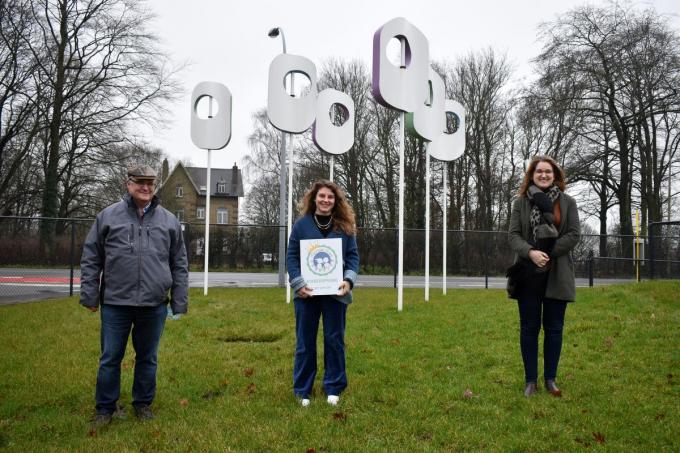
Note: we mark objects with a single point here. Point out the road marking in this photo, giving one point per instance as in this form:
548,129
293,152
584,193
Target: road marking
21,279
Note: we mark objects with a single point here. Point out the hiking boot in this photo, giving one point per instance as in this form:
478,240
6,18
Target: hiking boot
120,413
100,420
144,412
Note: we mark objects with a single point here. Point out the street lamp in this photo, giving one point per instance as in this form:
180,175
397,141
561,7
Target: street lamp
273,33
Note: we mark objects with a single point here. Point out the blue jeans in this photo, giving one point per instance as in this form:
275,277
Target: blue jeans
147,325
535,309
307,314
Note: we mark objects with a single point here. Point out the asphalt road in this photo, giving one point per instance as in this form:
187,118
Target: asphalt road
26,285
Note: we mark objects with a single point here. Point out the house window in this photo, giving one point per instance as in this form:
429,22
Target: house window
222,216
180,215
200,213
179,191
221,187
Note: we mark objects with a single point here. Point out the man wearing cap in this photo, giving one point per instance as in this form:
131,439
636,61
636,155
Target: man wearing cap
132,257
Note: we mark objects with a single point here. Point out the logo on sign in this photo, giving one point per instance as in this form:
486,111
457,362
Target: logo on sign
321,260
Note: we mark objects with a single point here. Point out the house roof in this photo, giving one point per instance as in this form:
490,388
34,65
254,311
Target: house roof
230,176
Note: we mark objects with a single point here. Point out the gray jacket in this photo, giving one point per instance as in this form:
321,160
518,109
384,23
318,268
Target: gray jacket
131,261
561,278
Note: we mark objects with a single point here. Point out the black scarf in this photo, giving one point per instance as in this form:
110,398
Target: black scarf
535,217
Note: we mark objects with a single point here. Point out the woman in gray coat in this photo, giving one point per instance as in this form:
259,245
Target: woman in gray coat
544,228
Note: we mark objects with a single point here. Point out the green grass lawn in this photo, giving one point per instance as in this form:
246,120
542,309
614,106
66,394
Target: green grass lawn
440,376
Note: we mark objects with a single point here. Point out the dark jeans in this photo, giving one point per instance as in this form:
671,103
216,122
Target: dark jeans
147,325
535,309
307,314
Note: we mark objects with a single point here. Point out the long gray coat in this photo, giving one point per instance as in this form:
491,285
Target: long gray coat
561,279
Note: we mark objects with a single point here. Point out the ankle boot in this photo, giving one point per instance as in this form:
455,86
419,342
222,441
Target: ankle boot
552,388
530,389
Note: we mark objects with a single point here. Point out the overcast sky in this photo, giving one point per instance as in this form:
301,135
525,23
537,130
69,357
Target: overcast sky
226,42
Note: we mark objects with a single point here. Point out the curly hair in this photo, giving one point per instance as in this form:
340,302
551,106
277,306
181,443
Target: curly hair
560,178
343,214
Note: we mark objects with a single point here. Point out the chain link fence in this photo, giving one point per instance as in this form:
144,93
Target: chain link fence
29,268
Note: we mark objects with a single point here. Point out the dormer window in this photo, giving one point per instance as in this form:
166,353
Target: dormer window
221,187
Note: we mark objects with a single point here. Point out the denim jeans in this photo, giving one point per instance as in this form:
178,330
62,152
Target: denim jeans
147,325
535,309
307,314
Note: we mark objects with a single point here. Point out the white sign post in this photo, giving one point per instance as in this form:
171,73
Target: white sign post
213,132
427,123
449,145
290,114
402,88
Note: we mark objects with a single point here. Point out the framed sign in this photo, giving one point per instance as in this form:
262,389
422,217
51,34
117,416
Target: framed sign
321,264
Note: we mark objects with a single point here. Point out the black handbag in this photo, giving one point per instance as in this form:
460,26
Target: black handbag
517,275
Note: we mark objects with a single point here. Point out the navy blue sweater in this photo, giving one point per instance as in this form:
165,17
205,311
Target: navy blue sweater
305,228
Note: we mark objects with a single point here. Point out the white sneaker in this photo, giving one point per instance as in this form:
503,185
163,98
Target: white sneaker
333,400
305,402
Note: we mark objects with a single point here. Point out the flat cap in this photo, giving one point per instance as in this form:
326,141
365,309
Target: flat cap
141,172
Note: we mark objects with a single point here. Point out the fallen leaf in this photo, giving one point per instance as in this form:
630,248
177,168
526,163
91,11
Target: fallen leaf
582,442
599,437
92,432
609,341
339,416
311,450
248,372
251,388
659,417
395,341
184,402
468,393
224,382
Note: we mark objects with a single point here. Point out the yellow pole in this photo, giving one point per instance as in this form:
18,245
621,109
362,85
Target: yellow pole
637,245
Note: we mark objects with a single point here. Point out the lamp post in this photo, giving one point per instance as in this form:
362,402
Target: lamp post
273,33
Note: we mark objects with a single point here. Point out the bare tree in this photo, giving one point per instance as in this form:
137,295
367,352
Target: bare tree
19,122
101,71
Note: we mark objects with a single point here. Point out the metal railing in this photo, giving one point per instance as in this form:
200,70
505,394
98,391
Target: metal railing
25,260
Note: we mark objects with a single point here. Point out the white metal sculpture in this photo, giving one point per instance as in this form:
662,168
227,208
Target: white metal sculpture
330,137
285,112
403,88
213,132
289,113
427,122
448,146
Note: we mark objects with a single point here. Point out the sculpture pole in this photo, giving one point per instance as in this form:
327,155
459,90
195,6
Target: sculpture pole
400,266
206,238
444,224
290,206
211,133
427,223
332,164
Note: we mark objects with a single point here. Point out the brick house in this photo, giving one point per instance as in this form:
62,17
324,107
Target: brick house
183,193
